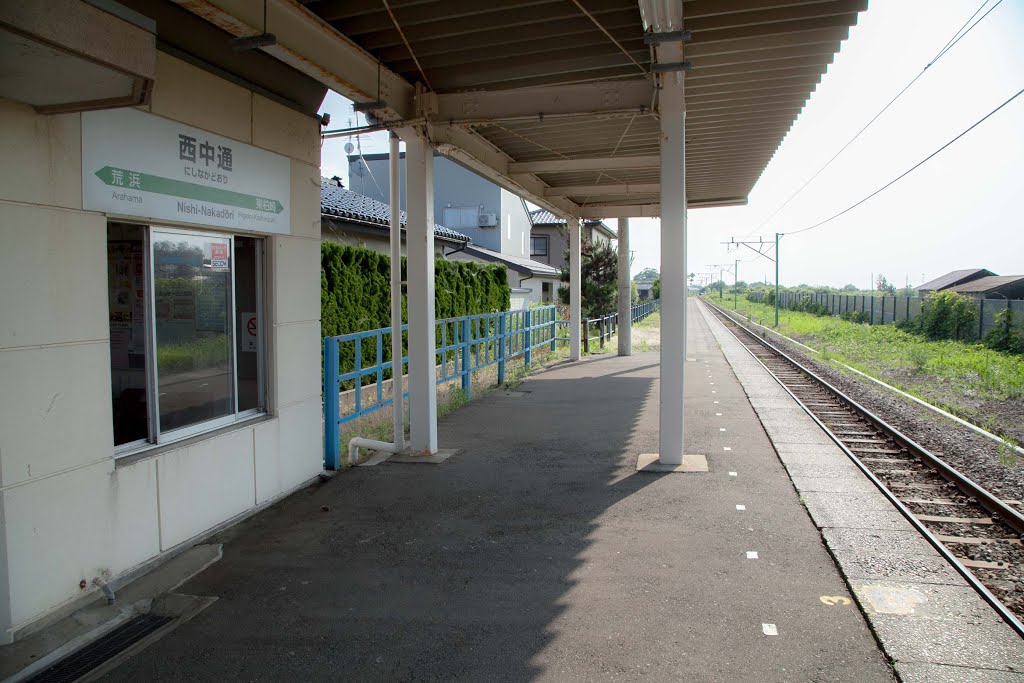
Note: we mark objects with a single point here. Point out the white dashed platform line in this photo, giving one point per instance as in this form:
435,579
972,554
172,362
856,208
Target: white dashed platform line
721,429
726,448
733,474
751,554
718,415
769,629
716,401
741,508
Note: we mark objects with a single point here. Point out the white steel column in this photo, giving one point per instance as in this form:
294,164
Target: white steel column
625,292
673,257
398,413
575,288
419,183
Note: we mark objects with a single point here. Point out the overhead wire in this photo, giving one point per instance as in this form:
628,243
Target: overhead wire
600,26
407,45
946,48
911,169
956,38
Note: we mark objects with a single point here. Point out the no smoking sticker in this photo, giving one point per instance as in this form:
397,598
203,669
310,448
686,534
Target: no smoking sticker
248,327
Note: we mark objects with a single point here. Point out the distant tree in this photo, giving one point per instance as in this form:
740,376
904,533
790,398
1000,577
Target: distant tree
656,289
634,294
883,285
851,288
646,275
599,274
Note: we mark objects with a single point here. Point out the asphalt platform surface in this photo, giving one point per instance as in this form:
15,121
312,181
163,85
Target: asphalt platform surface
539,553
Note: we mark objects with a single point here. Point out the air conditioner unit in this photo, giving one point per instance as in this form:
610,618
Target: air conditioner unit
487,220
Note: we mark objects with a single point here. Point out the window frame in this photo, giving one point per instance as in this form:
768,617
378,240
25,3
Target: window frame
155,436
547,246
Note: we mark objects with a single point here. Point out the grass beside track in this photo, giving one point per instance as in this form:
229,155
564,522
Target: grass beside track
970,380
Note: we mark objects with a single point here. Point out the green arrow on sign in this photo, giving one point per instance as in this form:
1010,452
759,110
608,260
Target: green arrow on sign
132,180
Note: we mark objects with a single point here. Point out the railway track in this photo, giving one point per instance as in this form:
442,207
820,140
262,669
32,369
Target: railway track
975,530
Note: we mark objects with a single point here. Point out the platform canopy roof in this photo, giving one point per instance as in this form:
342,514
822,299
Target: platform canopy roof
557,99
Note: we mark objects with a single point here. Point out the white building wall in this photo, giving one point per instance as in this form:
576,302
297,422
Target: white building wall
516,225
69,512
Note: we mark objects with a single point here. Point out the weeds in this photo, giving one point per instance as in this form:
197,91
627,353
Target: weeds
454,399
959,369
1008,453
515,376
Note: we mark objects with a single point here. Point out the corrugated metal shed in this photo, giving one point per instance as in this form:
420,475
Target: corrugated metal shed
956,277
995,283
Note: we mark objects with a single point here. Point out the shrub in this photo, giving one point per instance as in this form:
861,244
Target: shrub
808,305
859,317
355,295
1003,337
946,315
355,289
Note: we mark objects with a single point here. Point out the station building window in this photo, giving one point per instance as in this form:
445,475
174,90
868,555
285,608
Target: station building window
186,348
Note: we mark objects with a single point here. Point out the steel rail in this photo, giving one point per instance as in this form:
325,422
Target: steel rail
1003,512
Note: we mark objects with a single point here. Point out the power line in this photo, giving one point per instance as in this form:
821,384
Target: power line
909,170
949,45
956,39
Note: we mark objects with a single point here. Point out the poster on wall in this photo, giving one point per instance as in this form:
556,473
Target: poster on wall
142,165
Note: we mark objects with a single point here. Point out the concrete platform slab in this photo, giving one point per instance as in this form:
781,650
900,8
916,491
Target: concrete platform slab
893,566
915,672
692,463
927,618
409,458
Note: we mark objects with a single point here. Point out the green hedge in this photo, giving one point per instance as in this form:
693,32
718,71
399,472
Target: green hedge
355,296
355,289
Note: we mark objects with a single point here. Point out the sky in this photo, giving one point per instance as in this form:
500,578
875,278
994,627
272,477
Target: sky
960,210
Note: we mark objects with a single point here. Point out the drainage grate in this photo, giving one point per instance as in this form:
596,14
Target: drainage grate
76,665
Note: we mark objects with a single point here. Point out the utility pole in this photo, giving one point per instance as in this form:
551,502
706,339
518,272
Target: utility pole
722,268
777,236
735,283
760,245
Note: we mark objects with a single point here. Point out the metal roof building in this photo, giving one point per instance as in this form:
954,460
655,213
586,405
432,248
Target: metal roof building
993,287
953,278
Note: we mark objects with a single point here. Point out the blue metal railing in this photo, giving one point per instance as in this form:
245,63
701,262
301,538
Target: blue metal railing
607,325
361,361
463,346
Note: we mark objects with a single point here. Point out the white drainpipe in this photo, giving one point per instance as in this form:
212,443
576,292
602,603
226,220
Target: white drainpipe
359,442
398,444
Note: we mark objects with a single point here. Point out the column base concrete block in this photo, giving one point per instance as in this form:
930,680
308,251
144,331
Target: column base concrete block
408,457
648,462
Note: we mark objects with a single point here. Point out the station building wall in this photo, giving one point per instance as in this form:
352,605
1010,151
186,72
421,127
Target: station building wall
70,511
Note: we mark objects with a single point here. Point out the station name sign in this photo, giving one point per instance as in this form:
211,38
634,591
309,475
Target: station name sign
138,164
